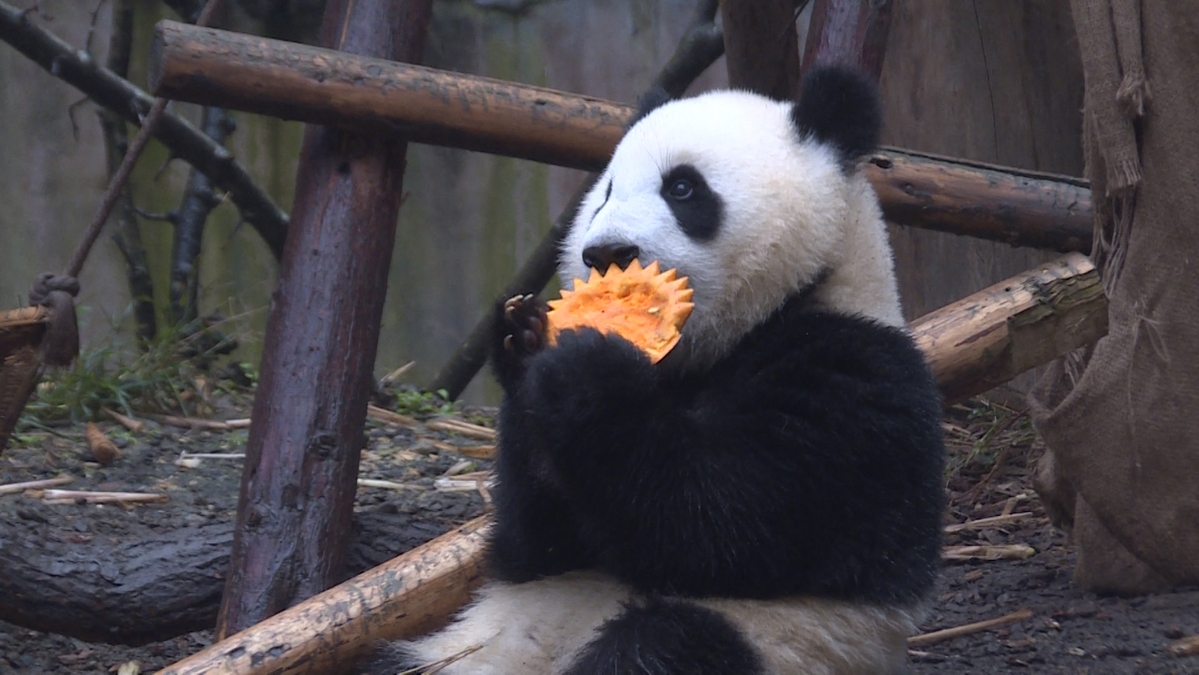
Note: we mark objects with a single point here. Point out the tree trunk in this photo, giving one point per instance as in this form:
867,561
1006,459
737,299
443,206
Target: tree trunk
318,355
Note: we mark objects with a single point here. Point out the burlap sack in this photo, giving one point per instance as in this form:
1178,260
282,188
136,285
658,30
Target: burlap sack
1121,420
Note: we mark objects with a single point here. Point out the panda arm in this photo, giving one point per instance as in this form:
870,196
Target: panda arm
804,463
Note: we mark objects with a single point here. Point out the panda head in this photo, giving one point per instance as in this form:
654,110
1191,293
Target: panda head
748,197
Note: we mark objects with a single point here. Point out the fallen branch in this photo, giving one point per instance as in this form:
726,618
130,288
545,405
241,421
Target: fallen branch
12,488
75,67
989,553
968,629
404,597
89,497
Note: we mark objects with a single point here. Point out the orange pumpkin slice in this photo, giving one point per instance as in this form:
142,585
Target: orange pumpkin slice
640,304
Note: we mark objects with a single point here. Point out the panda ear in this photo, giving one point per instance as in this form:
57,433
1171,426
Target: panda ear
839,105
652,99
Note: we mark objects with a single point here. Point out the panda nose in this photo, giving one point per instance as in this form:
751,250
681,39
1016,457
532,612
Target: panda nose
602,257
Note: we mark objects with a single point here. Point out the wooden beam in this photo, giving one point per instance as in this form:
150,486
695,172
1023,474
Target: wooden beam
245,72
378,96
986,339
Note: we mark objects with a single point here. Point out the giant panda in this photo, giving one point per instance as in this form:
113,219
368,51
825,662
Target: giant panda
767,498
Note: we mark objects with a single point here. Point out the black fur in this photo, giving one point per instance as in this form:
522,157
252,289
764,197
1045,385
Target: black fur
839,106
667,637
699,211
808,461
654,98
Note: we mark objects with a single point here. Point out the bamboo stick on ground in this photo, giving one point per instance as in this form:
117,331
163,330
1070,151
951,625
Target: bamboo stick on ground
11,488
968,629
992,552
90,497
982,523
406,596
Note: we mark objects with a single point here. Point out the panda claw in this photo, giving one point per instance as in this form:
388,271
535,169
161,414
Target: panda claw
508,343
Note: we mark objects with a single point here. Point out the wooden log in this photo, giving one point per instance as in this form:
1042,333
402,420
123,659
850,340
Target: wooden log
53,578
306,434
1014,206
378,96
404,597
986,339
244,72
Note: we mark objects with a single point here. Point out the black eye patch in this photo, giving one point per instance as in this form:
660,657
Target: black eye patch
698,211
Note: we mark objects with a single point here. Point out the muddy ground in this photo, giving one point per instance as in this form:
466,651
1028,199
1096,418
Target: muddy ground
992,448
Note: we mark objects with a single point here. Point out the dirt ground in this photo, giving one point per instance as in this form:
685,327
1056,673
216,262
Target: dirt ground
991,450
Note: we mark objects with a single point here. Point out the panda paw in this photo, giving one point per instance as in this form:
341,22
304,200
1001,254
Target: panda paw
524,325
520,334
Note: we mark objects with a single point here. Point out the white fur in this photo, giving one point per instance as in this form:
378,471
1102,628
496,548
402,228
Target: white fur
789,213
535,628
539,627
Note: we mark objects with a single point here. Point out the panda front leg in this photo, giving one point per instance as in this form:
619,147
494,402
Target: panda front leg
658,636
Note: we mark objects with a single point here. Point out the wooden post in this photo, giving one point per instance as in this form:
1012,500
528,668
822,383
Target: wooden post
852,32
298,488
761,47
